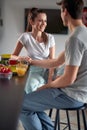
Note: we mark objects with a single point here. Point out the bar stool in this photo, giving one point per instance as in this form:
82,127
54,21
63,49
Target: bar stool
77,109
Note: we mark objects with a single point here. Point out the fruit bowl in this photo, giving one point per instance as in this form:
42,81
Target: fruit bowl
6,75
5,72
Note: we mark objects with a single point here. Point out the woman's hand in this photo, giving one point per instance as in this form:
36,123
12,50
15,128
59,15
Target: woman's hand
24,58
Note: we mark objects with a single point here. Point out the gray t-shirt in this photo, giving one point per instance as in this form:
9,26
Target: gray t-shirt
76,55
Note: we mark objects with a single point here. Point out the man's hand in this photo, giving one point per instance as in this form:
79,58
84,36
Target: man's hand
44,87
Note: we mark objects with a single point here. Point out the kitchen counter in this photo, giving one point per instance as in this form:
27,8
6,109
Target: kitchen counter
11,96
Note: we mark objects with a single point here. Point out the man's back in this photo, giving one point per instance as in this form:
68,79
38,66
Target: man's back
77,52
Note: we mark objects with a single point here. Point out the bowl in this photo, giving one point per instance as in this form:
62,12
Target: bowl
6,75
12,61
5,56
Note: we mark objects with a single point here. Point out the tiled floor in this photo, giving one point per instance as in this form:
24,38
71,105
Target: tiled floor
63,119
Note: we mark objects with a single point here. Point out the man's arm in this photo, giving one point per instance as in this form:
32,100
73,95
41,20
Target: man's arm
49,63
69,76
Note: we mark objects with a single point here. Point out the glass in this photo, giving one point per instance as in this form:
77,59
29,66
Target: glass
21,69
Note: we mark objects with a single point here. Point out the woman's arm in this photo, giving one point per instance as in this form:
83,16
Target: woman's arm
17,50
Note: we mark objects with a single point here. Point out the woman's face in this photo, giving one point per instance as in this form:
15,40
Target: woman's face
40,22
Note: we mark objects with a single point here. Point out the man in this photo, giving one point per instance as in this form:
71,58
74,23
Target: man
70,89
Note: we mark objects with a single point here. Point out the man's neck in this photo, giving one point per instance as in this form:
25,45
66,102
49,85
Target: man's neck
74,23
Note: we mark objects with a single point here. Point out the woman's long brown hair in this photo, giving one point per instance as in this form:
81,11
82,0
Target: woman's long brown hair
33,13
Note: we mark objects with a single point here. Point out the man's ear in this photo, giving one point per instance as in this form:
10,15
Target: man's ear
65,11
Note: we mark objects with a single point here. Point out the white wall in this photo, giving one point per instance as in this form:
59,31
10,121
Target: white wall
13,23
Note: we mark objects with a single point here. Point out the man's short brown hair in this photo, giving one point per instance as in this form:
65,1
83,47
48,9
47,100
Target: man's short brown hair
74,7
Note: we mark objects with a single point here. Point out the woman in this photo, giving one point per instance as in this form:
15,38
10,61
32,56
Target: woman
39,45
